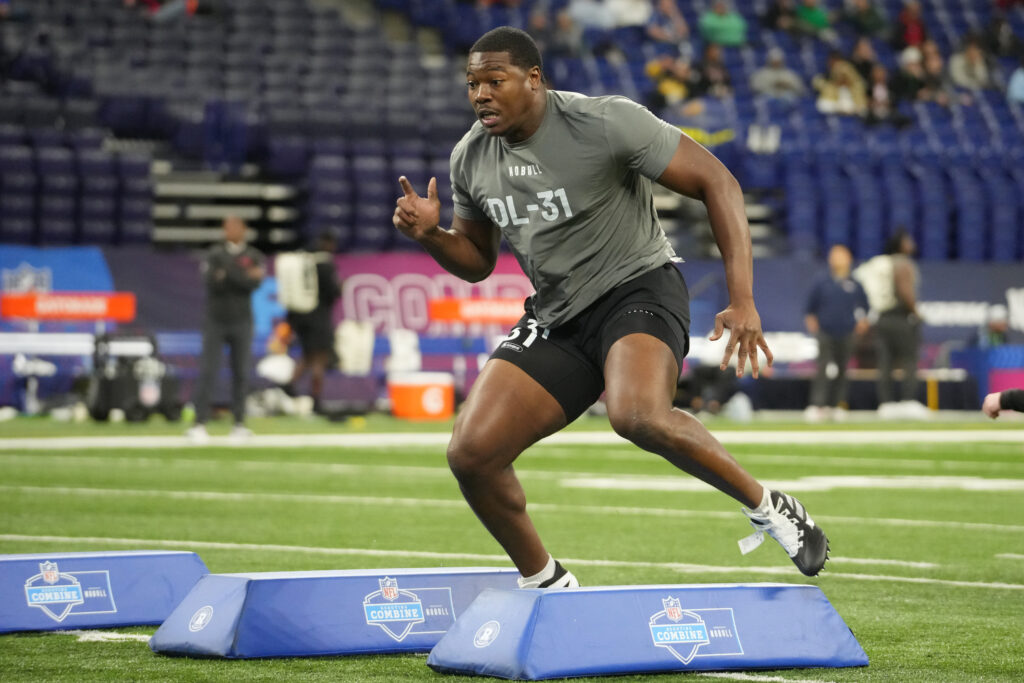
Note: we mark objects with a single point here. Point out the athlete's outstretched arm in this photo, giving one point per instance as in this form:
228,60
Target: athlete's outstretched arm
695,172
468,250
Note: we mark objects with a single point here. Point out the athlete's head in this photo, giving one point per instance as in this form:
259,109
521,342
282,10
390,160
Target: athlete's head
505,81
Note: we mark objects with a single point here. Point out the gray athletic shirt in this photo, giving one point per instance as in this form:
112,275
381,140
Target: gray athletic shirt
574,199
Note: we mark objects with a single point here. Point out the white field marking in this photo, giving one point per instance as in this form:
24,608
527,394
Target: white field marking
812,483
389,501
683,568
440,439
104,636
760,678
817,459
876,561
1010,556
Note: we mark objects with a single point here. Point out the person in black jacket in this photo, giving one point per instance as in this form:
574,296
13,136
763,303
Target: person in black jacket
1011,399
231,271
315,329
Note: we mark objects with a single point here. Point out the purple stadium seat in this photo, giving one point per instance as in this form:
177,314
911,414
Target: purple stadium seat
287,156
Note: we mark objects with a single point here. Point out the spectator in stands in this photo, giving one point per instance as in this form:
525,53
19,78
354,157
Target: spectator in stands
673,80
630,13
557,37
714,78
910,29
841,90
937,86
908,83
232,270
776,80
667,26
995,330
722,25
881,103
1000,40
315,329
1015,89
591,14
1010,399
836,309
863,57
781,16
814,21
968,69
866,19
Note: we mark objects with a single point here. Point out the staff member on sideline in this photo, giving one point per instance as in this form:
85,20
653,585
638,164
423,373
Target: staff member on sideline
566,179
232,271
836,308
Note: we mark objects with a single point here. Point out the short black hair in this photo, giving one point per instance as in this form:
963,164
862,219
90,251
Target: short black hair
521,49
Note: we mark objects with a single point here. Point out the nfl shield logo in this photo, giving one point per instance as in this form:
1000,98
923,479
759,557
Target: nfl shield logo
388,588
673,608
49,572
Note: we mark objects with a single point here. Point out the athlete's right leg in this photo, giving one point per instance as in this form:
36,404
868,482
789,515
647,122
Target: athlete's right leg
506,412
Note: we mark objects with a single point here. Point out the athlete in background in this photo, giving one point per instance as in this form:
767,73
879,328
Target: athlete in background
566,179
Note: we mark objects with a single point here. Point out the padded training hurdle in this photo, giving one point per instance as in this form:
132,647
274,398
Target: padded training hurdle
294,614
49,591
539,634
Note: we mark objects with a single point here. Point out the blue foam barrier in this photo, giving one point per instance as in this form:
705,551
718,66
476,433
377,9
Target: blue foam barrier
301,614
537,634
49,591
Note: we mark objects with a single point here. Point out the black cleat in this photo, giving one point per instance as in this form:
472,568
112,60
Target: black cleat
789,524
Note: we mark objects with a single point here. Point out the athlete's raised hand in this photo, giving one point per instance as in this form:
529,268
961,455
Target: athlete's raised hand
745,337
415,216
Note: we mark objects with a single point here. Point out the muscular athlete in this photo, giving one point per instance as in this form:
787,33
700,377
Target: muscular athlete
566,179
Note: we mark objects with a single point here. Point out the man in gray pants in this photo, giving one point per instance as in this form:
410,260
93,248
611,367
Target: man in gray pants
232,270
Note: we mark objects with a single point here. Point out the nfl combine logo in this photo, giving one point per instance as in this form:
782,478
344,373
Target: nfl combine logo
394,610
56,594
681,632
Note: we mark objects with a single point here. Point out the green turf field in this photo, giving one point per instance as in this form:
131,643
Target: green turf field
928,565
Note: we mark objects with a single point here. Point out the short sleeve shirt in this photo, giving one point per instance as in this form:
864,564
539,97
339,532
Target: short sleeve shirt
574,200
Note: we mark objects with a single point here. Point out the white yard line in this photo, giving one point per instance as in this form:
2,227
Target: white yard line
759,678
1010,556
104,636
440,439
683,568
392,501
812,483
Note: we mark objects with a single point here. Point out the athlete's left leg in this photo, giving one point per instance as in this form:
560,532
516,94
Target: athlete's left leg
640,374
640,378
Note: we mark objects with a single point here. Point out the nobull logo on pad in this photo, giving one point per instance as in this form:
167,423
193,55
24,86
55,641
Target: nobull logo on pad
401,612
695,633
59,594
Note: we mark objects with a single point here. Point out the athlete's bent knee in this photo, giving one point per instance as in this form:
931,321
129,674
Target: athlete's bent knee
636,426
469,457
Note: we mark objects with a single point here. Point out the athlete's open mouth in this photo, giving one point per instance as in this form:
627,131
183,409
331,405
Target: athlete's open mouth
488,117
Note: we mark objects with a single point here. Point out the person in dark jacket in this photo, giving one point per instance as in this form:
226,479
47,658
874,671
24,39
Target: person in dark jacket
315,329
231,271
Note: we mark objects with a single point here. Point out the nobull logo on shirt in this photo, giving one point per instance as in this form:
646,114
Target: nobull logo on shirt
526,169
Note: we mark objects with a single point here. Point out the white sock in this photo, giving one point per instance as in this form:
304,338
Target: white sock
540,577
766,504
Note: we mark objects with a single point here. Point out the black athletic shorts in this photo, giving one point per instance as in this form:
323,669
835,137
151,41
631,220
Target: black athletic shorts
568,361
313,330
